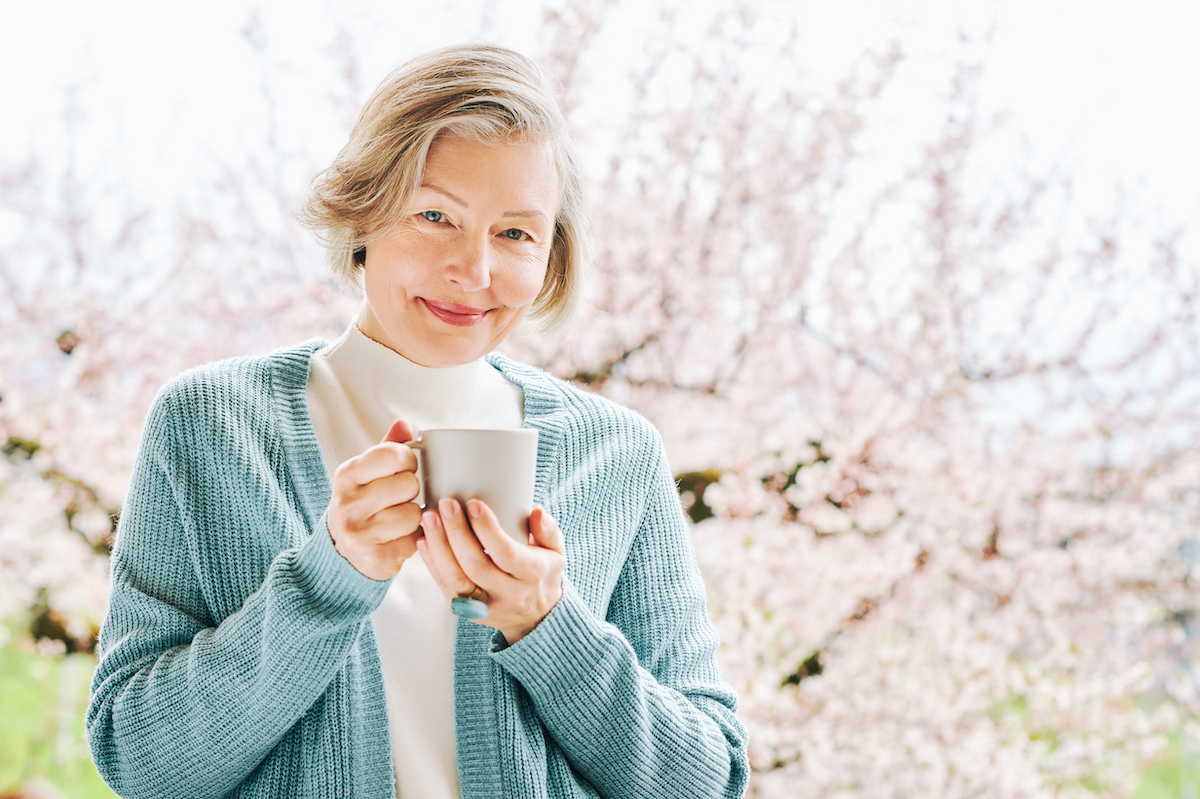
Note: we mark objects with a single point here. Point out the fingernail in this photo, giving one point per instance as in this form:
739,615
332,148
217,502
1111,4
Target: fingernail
429,520
446,506
473,508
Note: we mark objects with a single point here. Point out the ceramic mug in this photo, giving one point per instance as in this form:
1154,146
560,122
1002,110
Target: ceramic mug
497,467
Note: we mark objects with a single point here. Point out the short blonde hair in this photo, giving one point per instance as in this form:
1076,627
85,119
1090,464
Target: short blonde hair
481,91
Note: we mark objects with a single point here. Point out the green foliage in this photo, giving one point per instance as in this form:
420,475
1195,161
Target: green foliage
41,730
19,449
1177,775
809,668
691,492
1164,780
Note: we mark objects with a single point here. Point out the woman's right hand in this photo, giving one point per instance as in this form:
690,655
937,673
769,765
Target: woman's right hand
372,517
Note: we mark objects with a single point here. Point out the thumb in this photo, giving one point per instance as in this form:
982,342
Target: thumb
400,432
544,531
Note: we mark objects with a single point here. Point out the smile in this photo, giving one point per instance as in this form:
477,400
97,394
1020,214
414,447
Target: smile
453,314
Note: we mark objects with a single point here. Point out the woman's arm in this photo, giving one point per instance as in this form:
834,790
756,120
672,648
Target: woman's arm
635,701
183,705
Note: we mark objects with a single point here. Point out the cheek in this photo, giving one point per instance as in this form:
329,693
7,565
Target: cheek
529,277
381,283
403,275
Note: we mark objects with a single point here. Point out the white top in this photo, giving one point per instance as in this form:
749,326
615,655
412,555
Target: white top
356,389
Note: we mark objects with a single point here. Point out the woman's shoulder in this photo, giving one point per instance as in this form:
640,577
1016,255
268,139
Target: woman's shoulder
240,386
550,397
245,374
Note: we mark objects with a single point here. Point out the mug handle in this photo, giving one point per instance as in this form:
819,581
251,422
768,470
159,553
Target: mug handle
418,446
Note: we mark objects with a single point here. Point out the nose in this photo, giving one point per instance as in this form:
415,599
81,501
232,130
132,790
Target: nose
470,263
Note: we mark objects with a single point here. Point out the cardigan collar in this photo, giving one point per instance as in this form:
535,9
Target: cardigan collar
301,453
475,699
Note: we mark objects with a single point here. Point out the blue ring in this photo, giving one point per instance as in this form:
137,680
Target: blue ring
469,608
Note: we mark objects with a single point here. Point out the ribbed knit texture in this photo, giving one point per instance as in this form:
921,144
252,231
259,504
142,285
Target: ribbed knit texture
356,389
238,656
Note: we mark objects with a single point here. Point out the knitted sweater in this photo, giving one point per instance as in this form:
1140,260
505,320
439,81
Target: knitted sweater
238,655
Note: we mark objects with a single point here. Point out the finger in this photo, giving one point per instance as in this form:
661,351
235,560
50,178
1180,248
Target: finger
545,532
430,563
389,524
363,502
489,539
403,547
476,565
390,556
400,432
439,557
381,460
515,560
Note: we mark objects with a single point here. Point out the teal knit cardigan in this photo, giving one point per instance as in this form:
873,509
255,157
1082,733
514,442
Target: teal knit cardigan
238,656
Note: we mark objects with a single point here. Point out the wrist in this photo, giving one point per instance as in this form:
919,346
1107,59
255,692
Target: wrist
517,632
512,635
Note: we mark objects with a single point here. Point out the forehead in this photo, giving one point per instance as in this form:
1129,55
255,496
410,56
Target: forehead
493,169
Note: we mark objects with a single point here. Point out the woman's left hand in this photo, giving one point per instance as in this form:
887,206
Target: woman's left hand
467,549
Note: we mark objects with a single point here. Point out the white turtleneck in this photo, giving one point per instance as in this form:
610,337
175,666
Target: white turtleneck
356,389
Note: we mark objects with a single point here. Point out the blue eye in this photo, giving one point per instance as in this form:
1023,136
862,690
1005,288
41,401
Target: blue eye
434,216
514,234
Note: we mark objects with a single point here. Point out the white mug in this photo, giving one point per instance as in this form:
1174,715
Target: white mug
497,467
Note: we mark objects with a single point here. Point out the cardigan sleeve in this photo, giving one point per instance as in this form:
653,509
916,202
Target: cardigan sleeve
184,705
635,701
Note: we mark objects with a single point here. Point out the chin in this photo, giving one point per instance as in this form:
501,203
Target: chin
446,356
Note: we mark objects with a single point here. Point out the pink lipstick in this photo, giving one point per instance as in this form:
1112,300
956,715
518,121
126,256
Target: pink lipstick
455,314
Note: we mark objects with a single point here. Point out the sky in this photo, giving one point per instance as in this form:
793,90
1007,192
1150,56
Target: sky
1099,87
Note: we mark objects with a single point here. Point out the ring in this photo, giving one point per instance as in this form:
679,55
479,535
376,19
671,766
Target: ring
470,606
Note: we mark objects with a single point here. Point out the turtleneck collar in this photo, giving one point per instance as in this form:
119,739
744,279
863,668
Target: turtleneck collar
357,387
446,397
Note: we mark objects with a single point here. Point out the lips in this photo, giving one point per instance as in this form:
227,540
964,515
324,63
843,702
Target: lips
455,314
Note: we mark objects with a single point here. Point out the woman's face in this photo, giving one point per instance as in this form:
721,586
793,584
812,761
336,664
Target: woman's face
451,279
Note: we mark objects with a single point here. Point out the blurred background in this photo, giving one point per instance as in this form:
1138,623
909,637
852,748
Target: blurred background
909,289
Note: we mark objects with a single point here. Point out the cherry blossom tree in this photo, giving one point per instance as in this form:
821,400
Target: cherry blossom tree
935,426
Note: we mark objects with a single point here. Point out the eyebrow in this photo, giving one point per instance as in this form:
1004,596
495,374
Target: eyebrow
445,193
532,212
434,187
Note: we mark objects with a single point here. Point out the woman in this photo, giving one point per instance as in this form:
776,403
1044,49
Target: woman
279,622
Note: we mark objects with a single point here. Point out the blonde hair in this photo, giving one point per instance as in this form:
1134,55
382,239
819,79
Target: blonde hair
481,91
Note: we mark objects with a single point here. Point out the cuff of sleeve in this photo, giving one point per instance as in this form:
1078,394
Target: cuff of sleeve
334,587
562,651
